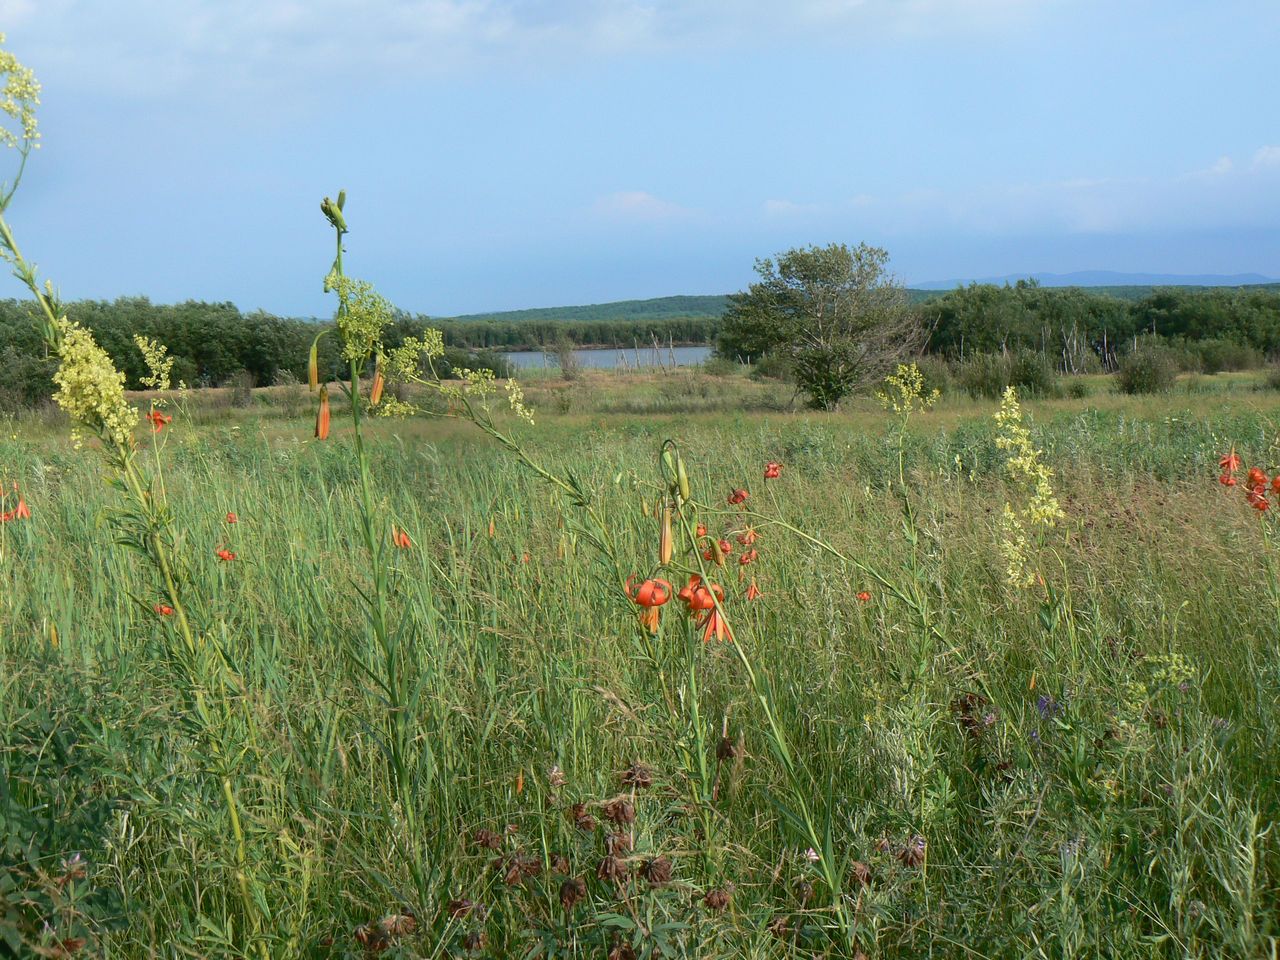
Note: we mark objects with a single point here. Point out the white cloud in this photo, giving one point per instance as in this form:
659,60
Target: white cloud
637,205
180,45
1267,157
1223,195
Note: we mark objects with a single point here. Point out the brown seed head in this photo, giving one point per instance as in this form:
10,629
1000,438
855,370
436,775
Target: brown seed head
638,776
620,811
657,871
618,844
571,891
475,941
559,863
717,899
726,749
861,872
486,839
611,868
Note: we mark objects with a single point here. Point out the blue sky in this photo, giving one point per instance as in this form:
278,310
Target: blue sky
512,153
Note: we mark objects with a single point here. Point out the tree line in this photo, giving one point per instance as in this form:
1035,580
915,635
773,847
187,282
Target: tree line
1077,329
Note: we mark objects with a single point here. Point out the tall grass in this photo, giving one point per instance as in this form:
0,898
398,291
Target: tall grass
1098,783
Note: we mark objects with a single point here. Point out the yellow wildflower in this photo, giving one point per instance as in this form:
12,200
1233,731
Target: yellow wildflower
90,388
18,100
904,391
156,356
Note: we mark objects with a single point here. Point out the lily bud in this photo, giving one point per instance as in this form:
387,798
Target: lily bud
669,473
682,478
313,366
379,381
322,415
664,537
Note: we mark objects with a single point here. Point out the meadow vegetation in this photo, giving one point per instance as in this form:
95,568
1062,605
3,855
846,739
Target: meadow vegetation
629,667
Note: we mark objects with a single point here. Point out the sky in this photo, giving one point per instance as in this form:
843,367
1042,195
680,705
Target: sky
500,154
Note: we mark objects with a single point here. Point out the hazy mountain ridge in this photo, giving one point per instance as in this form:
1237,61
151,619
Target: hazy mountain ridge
1125,286
1110,278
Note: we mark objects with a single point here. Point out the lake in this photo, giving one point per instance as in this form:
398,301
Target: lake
615,358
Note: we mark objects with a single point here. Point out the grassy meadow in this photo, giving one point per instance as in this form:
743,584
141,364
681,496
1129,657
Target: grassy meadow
899,755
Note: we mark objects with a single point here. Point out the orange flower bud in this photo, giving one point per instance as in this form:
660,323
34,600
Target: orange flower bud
665,546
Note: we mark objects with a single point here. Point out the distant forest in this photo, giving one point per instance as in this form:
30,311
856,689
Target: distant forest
1079,328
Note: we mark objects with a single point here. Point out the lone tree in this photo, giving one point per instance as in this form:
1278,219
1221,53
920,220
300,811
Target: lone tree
833,312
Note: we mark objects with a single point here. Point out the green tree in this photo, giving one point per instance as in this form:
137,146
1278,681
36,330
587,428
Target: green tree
834,311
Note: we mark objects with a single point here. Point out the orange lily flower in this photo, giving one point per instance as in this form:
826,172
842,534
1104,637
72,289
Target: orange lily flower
1227,480
864,596
651,595
158,420
163,609
1257,478
748,536
738,496
753,592
400,538
749,557
232,518
225,555
1230,463
772,470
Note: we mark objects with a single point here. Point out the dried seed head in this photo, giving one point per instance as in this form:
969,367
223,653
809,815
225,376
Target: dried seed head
486,839
717,899
780,926
611,868
618,844
556,778
579,817
622,951
726,749
912,855
462,907
657,871
861,872
571,891
883,845
620,811
475,941
372,938
559,863
399,924
804,891
638,776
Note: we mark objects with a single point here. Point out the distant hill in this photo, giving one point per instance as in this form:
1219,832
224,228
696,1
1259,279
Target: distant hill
1109,278
660,308
1125,286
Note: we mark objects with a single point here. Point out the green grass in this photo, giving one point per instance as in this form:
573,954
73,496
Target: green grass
1127,815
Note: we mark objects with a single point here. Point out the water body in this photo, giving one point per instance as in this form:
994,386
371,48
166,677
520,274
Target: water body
613,358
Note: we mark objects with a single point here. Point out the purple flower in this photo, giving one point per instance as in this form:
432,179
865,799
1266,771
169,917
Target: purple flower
1046,706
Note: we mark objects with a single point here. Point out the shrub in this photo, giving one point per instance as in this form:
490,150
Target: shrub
720,366
1077,389
984,375
1148,368
241,384
772,366
936,373
1219,355
1033,375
